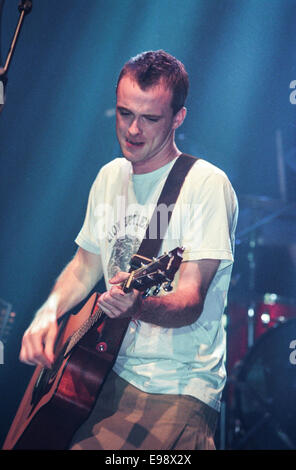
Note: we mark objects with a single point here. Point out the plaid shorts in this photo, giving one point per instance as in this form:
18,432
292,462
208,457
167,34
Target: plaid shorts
125,418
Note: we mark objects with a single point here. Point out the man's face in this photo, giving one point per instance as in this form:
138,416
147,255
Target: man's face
145,124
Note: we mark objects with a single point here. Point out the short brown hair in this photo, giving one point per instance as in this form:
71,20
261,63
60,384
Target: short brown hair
148,68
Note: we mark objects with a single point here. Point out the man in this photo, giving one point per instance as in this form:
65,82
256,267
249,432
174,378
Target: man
165,388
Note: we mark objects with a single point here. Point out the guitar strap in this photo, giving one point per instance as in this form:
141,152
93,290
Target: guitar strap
150,246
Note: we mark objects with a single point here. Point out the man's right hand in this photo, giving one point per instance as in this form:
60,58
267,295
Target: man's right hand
39,339
72,286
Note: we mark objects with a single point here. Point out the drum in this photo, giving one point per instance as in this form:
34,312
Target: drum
264,389
272,310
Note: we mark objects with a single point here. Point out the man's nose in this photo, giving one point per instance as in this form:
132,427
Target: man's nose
134,128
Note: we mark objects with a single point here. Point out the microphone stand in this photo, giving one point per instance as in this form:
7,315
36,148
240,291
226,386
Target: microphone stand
24,8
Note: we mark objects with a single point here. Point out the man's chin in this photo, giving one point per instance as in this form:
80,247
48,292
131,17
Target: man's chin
132,157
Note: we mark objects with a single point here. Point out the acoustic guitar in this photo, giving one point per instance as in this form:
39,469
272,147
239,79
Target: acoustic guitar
59,399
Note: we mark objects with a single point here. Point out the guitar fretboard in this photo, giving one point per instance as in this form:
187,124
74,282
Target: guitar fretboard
154,273
85,327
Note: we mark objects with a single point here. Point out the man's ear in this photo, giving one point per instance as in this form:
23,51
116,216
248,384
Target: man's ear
179,117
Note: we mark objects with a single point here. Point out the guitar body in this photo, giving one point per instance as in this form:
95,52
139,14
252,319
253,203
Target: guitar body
57,401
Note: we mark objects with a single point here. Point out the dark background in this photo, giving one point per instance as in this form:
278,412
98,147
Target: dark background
57,129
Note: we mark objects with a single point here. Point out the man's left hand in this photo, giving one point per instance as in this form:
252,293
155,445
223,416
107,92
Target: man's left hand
115,303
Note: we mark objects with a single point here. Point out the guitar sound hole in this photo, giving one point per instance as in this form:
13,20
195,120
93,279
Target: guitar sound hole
40,386
45,379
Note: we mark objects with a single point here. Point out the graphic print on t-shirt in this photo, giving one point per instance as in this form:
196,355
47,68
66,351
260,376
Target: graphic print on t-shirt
123,249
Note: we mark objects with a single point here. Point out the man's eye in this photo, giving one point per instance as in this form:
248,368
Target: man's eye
152,119
124,113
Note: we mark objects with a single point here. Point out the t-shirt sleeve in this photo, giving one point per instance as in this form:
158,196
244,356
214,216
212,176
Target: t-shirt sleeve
87,237
208,232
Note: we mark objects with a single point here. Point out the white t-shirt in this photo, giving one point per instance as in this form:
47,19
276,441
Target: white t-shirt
187,360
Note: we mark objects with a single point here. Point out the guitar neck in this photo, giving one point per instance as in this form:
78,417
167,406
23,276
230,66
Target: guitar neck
98,314
159,270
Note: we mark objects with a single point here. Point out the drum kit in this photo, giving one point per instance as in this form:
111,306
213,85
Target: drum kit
261,328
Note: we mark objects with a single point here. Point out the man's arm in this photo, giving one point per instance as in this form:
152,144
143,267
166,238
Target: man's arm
180,308
72,286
